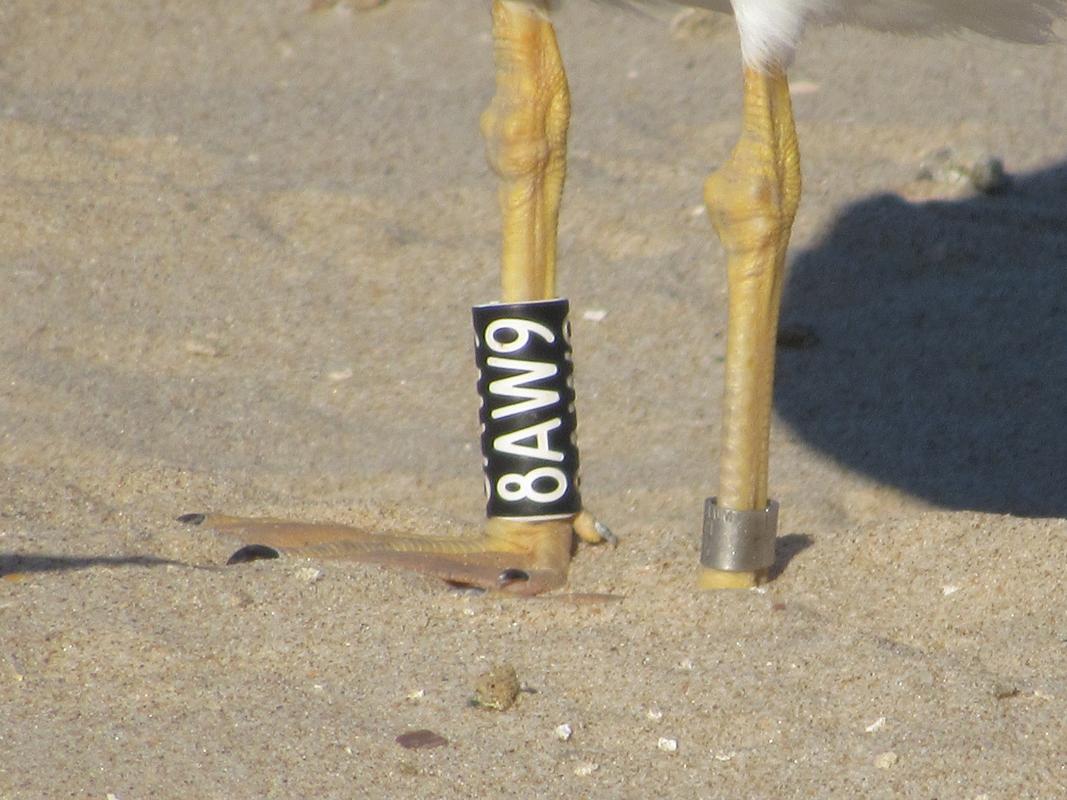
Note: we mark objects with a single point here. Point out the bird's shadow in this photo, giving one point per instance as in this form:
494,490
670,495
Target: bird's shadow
786,548
939,361
23,563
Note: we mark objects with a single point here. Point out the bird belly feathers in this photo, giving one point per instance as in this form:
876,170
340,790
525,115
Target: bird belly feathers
770,29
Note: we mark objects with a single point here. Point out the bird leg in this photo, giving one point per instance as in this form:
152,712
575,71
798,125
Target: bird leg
525,128
752,200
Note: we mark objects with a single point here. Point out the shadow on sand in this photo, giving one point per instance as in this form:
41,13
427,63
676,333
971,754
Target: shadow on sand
941,361
18,563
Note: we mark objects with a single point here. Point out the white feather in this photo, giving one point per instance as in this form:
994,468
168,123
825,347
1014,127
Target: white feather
771,29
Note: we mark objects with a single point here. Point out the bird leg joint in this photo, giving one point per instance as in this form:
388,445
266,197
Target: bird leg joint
753,197
525,125
525,128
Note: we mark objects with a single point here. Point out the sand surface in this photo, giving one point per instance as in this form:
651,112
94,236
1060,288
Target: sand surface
239,242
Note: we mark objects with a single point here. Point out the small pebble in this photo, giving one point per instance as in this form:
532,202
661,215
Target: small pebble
947,590
654,714
667,745
310,574
497,689
1005,691
966,167
797,336
564,732
988,176
418,694
420,740
886,760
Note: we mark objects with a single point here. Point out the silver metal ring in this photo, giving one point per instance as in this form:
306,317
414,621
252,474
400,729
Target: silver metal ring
738,541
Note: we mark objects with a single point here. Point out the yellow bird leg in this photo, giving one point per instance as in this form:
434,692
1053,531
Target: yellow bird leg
525,128
752,200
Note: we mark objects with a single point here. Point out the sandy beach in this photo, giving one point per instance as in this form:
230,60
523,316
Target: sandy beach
239,243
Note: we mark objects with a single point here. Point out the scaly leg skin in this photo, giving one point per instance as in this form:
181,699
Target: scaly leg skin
526,131
752,200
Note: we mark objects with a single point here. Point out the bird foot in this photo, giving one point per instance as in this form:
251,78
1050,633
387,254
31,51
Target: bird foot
510,556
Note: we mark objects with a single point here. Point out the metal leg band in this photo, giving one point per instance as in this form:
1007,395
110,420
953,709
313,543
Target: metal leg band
738,541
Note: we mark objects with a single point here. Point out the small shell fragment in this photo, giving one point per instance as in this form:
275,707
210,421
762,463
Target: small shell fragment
338,375
667,745
564,732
